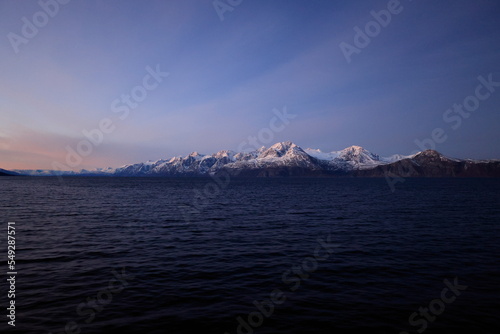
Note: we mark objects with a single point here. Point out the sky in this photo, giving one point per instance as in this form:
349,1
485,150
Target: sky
88,84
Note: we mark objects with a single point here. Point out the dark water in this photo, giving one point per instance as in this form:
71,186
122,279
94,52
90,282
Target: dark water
386,255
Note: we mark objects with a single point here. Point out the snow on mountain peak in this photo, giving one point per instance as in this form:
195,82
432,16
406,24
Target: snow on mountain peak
196,155
355,150
318,154
281,149
283,146
355,156
224,154
358,154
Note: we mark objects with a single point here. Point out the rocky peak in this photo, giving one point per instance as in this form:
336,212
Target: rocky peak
358,154
281,149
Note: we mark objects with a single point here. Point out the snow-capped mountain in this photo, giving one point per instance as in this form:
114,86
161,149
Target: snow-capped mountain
355,156
280,155
358,156
288,159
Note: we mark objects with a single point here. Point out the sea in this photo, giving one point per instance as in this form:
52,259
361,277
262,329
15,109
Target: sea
274,255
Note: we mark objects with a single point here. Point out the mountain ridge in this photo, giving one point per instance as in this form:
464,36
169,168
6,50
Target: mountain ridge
288,159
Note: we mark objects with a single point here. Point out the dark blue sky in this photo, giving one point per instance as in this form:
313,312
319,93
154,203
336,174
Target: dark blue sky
226,77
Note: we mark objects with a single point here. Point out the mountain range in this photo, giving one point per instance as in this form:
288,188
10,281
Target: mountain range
4,172
288,159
